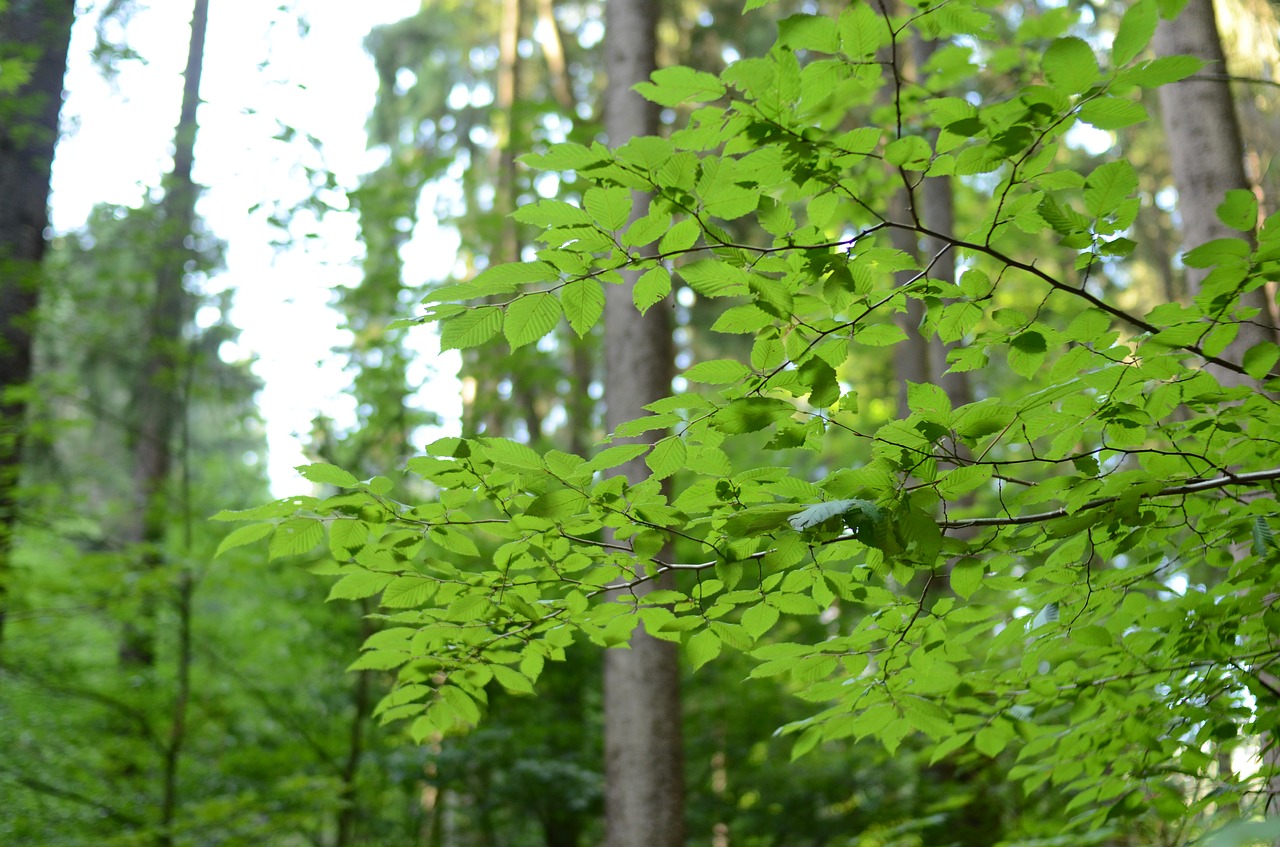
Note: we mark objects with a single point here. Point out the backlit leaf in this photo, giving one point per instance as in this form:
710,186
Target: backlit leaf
531,317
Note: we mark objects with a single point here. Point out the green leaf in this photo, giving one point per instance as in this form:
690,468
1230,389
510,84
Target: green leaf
759,619
741,320
531,317
862,31
1108,186
911,152
1135,31
610,208
820,378
966,577
499,279
652,286
713,278
809,32
583,303
752,414
991,740
1264,540
718,372
1219,251
241,536
295,537
958,320
327,474
511,679
566,156
1162,71
612,457
551,213
360,584
960,481
822,512
471,328
558,504
1092,636
683,235
1069,65
880,335
703,647
460,703
1112,113
407,592
1027,353
667,457
1239,210
1260,359
679,85
513,453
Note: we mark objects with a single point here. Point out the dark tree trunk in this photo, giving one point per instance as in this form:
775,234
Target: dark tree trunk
1208,155
644,761
40,31
157,392
361,706
170,796
1205,146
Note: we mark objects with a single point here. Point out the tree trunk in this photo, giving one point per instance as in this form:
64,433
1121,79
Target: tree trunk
937,214
39,30
1208,155
361,706
911,358
1205,146
157,392
644,760
170,796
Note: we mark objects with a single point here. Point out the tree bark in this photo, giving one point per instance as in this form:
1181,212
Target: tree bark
170,796
911,358
41,31
644,759
349,811
1208,155
157,391
938,215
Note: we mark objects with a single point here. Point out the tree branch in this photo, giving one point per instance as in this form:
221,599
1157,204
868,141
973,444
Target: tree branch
1173,490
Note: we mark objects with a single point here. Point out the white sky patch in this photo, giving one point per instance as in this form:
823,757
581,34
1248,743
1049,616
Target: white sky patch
259,74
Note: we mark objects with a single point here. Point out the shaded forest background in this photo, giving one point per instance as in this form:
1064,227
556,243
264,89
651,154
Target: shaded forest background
152,693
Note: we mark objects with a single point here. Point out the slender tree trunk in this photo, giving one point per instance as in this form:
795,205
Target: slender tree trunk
937,213
38,30
644,759
1208,155
170,798
553,51
361,704
508,85
1207,151
157,394
911,357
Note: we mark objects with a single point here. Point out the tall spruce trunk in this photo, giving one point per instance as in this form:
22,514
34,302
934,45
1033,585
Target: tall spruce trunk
1207,152
1205,146
38,30
644,760
157,392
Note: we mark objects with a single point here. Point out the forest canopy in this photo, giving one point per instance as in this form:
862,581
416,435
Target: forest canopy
1061,546
880,396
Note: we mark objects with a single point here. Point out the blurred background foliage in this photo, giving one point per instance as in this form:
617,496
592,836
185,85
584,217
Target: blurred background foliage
242,727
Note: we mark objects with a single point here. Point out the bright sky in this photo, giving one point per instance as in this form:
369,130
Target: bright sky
119,142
